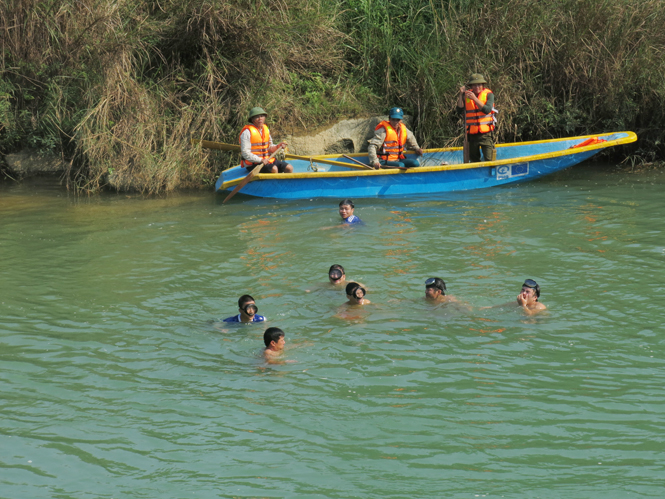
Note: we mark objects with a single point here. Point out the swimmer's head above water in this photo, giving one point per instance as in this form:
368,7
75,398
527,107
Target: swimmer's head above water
357,295
532,285
251,309
346,207
434,287
350,287
244,300
273,337
247,307
336,274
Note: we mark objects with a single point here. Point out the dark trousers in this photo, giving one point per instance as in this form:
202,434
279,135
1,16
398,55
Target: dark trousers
478,142
408,163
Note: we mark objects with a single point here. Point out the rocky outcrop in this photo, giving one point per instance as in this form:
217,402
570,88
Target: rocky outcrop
28,163
348,136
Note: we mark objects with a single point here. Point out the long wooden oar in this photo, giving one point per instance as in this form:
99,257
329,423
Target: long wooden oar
317,159
209,144
249,176
367,166
357,162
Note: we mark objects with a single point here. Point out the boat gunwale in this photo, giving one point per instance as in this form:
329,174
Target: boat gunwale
631,137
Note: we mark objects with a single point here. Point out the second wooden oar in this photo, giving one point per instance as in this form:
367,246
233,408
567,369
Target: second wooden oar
249,177
316,159
367,166
209,144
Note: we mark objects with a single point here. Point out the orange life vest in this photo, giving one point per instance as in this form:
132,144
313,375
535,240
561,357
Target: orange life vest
260,143
476,120
393,145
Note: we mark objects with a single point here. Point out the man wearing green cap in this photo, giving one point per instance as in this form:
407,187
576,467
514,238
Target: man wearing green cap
478,104
256,145
387,146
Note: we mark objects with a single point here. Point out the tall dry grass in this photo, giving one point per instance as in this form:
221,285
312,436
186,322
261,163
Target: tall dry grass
556,67
118,88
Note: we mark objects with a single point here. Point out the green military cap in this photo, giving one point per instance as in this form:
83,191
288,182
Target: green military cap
476,78
256,111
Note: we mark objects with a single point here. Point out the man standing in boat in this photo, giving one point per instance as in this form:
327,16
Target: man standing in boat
256,145
387,146
478,104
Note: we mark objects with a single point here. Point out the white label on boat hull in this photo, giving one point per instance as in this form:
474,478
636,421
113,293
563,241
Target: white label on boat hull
508,171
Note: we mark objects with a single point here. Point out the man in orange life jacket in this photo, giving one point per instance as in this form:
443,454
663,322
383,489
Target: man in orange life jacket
387,146
478,104
256,145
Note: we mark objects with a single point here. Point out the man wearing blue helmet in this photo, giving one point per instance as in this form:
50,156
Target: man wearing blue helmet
387,146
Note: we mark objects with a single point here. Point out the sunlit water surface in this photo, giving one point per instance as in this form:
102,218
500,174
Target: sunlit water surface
119,379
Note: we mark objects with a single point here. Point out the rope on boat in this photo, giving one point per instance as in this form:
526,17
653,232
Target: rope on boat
312,166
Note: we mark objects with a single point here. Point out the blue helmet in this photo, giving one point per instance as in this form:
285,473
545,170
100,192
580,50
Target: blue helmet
396,113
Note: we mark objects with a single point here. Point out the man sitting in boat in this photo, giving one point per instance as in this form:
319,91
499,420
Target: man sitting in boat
256,145
248,311
387,146
478,104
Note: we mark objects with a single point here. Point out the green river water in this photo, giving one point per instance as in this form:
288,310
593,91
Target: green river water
119,379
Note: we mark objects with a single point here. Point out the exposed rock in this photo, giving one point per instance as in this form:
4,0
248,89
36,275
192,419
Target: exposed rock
348,136
29,163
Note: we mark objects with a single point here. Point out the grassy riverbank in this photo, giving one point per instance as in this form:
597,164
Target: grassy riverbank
118,88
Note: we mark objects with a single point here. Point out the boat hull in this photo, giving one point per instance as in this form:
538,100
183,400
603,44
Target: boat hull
515,163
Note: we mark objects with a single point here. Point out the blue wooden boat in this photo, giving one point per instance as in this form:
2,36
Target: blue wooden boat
442,170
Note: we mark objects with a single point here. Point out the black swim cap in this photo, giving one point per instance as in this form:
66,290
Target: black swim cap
530,283
435,282
351,286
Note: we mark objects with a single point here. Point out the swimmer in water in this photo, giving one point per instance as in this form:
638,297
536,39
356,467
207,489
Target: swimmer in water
435,291
346,208
527,299
248,311
356,294
273,337
529,296
336,274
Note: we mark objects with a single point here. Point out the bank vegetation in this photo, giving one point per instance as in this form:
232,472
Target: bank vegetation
117,88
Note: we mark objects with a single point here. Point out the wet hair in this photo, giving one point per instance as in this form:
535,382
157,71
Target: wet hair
436,282
531,284
346,202
272,334
336,267
350,287
244,300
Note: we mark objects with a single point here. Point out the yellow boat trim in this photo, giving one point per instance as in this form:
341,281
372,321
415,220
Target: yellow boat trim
461,166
